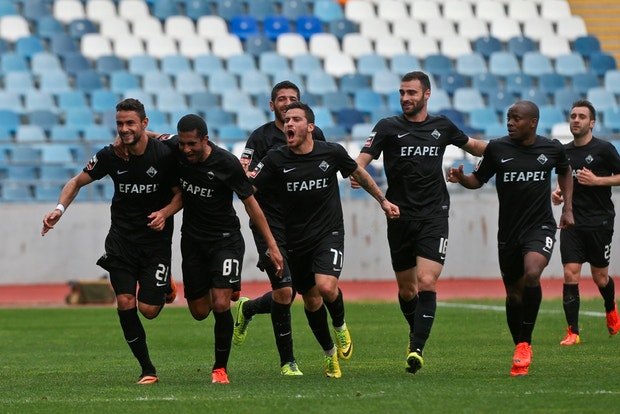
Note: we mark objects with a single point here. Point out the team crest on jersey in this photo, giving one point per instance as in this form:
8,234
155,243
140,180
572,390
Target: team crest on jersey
324,166
435,134
247,154
589,159
151,172
91,164
256,170
210,175
542,159
369,140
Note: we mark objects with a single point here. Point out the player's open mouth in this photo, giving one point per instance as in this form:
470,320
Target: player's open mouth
290,134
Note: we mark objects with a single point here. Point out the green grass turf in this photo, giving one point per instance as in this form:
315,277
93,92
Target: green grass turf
75,360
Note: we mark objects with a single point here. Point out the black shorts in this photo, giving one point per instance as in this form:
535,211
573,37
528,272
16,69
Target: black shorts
581,245
132,265
265,264
215,264
409,239
511,254
325,258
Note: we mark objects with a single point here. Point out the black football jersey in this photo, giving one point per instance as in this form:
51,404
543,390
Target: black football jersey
307,187
142,185
260,141
207,188
413,162
592,205
523,177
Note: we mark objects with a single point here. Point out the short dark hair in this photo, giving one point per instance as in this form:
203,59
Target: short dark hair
284,85
131,104
587,104
418,75
305,107
192,122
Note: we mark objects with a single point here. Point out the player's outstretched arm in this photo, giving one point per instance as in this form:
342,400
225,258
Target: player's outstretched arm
362,160
456,175
475,146
67,195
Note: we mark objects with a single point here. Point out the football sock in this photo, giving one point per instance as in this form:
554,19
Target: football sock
514,316
136,338
223,331
532,297
281,321
262,304
317,321
609,296
571,303
408,310
336,310
424,318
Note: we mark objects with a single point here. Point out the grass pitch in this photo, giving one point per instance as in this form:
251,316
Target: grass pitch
75,360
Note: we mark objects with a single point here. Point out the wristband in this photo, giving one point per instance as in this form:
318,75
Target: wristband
61,208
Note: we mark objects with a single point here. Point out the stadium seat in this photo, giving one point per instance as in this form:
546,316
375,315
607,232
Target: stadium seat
611,81
20,82
27,46
100,10
367,100
404,63
549,116
505,28
407,29
226,46
244,26
440,100
192,46
11,100
319,82
291,45
88,81
25,154
132,10
92,45
611,118
103,99
97,133
165,9
156,81
161,46
207,64
340,27
602,62
535,64
54,82
467,99
122,80
550,82
440,28
564,98
252,118
500,100
13,27
352,82
538,28
16,193
334,101
203,101
391,10
141,64
105,65
356,45
423,10
13,62
308,25
255,82
338,65
196,9
42,62
471,64
361,131
587,45
358,11
79,27
188,81
260,9
582,82
487,45
388,46
30,133
227,134
211,27
241,63
220,82
275,25
328,11
79,118
35,99
59,173
68,10
32,10
46,119
451,81
384,82
535,95
368,64
324,45
272,62
47,192
554,46
47,26
472,28
56,154
438,64
571,27
486,83
348,117
601,98
570,64
115,27
61,133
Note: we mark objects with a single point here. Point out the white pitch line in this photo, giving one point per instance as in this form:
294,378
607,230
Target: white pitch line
503,309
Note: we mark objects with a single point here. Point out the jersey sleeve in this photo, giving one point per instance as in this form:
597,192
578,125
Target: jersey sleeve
99,164
563,164
612,157
485,169
346,164
252,150
239,181
457,137
318,135
263,176
376,140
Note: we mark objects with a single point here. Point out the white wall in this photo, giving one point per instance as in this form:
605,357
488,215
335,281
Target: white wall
71,249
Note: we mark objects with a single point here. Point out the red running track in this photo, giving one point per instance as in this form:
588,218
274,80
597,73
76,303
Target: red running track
53,295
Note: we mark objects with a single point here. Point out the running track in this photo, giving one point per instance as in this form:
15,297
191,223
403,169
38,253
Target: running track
54,295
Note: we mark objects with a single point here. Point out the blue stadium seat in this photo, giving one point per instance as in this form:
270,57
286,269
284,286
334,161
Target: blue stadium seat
292,9
252,118
35,99
71,99
471,64
62,43
56,154
369,64
467,99
565,97
487,45
601,62
88,81
258,44
520,45
16,193
223,81
404,63
9,120
306,64
240,64
587,45
61,133
495,130
348,117
140,94
33,10
255,82
21,172
550,82
43,62
46,192
334,133
140,64
170,101
171,64
486,83
29,45
361,131
384,82
79,27
107,64
103,99
230,133
11,100
195,9
601,98
611,119
97,133
450,82
437,64
236,102
319,82
328,11
163,9
54,82
260,9
380,113
47,26
203,101
189,81
535,64
349,83
500,100
515,83
243,26
581,82
549,116
80,118
30,133
335,101
323,117
74,62
272,63
307,25
504,63
156,81
217,117
535,95
570,64
227,9
122,80
275,25
25,154
367,100
44,118
13,62
54,172
208,64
